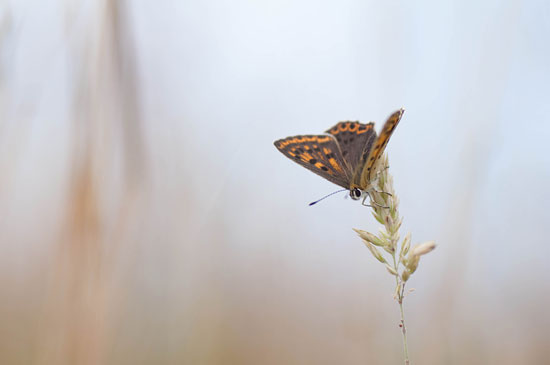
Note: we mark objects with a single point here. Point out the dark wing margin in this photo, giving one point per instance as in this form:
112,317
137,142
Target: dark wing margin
353,138
318,153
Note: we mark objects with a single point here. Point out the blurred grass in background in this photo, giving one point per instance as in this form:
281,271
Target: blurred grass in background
146,218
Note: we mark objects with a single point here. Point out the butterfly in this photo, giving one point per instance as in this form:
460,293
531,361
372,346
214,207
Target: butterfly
346,155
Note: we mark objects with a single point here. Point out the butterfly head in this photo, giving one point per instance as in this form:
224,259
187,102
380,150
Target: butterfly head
355,193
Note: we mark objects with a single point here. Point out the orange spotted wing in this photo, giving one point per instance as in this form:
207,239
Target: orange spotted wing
376,151
320,154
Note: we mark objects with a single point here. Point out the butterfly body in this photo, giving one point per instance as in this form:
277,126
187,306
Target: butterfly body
346,155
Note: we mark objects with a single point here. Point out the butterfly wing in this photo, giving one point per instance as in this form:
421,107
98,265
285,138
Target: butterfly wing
318,153
379,146
353,138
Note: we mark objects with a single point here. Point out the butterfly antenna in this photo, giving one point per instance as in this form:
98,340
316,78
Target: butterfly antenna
326,196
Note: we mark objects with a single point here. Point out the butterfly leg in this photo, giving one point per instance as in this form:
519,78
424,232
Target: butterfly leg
366,205
365,198
378,205
372,201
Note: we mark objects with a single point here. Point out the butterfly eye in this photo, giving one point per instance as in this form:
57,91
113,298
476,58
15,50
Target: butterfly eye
355,193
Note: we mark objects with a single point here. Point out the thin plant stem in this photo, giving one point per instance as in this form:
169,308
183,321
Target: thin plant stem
400,297
404,331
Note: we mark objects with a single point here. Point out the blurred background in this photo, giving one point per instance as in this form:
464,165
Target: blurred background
147,218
